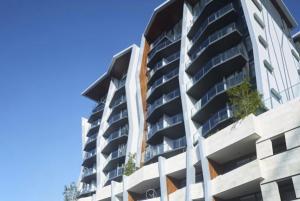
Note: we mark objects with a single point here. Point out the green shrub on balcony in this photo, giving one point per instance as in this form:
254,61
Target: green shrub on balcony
130,166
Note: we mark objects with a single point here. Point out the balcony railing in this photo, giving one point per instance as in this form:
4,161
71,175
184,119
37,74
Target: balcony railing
91,138
119,133
88,171
213,38
117,117
95,123
199,7
171,39
118,101
90,154
121,83
219,117
156,150
99,107
163,123
162,80
87,189
212,18
217,60
163,62
117,153
220,87
162,100
115,173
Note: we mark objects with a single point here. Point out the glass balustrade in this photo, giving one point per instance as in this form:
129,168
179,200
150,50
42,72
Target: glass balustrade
87,189
213,38
212,18
163,123
217,118
118,101
217,60
121,83
220,87
117,153
88,171
115,173
154,150
163,79
163,62
119,133
90,154
117,117
199,7
162,100
95,123
91,138
99,107
165,39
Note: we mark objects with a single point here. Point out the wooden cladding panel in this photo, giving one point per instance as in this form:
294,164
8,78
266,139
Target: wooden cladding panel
171,187
213,169
144,88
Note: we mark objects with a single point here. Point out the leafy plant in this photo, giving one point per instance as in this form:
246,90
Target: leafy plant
70,192
244,100
130,166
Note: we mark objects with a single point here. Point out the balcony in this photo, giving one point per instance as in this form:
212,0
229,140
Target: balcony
118,102
89,158
163,65
168,44
88,190
223,64
115,174
97,112
91,142
168,103
94,127
171,127
117,120
202,28
216,97
214,44
88,174
115,157
152,152
115,138
218,120
168,81
238,182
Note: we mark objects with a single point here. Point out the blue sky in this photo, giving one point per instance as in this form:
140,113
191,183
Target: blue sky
50,51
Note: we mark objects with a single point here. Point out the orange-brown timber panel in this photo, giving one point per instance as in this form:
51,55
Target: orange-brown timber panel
171,187
213,169
143,84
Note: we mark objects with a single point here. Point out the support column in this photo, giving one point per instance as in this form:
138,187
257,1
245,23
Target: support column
162,179
296,182
270,192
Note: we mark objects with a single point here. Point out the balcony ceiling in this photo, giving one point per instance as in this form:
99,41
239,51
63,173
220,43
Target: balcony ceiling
164,18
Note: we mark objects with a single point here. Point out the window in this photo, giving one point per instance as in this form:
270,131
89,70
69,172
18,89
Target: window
259,21
268,66
257,4
279,145
263,41
286,190
295,54
276,94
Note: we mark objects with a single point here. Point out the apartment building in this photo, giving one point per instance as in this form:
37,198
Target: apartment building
165,103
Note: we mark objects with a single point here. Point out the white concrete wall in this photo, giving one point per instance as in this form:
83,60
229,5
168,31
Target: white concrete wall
278,53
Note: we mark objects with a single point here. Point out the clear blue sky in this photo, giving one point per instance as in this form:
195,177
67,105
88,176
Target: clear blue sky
50,51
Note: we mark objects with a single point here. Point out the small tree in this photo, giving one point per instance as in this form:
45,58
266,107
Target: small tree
70,192
130,167
244,100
